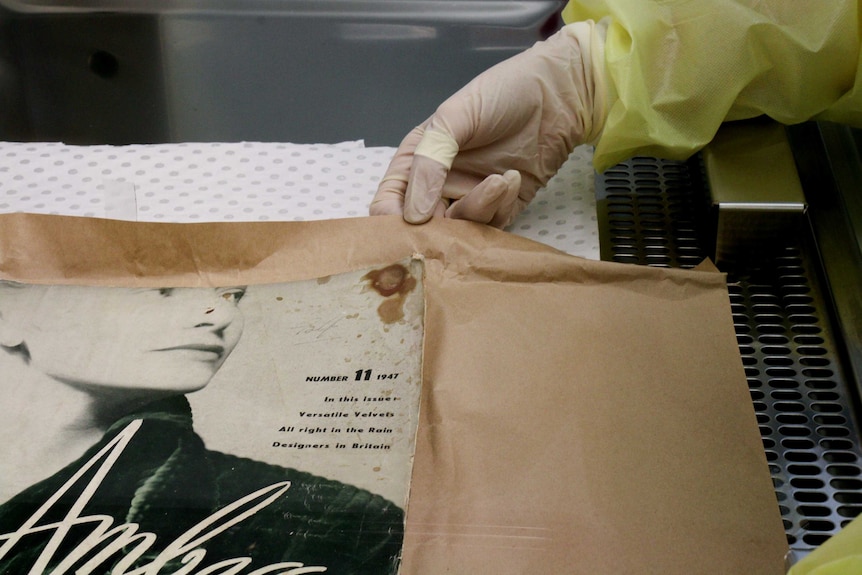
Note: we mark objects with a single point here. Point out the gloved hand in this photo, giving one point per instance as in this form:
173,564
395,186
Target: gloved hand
488,148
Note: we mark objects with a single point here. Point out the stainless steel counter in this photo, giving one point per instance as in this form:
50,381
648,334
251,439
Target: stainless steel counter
119,72
796,309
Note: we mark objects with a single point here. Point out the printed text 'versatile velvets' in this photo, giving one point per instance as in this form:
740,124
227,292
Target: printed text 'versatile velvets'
125,539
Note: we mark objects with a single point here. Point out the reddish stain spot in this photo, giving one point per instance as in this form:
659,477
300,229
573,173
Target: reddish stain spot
389,280
394,283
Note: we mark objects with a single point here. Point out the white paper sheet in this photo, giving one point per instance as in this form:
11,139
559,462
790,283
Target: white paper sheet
254,181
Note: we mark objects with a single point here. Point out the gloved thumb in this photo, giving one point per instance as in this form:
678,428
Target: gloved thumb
432,160
494,201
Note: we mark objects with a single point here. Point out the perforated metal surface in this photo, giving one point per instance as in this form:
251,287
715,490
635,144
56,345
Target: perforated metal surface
651,212
648,213
797,386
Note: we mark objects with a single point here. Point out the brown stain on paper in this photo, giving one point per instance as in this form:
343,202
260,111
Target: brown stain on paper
393,283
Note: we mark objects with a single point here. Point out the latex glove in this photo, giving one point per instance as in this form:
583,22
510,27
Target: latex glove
488,148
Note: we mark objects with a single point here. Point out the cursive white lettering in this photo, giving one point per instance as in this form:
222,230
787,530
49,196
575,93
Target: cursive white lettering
125,538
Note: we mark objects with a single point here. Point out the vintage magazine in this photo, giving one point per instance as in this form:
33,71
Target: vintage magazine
242,430
577,417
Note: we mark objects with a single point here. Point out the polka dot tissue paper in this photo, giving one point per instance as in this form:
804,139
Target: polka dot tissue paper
254,181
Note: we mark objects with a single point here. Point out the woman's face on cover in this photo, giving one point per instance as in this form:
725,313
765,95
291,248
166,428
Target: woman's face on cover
171,339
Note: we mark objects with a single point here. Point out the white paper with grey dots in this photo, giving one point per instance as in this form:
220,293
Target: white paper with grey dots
251,181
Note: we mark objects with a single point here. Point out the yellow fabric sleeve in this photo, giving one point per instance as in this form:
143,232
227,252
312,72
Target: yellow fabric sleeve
840,555
677,69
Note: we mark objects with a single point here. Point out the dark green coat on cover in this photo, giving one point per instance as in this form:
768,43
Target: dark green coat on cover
166,481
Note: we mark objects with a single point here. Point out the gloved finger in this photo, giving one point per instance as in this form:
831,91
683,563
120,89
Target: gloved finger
432,160
494,201
389,198
424,195
513,203
387,203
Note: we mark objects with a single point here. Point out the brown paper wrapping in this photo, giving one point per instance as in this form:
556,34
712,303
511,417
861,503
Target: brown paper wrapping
577,417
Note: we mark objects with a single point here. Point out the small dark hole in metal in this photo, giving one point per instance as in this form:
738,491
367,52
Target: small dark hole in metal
837,444
783,383
827,408
819,384
843,470
797,308
793,431
815,539
787,395
810,350
806,483
847,484
848,511
103,64
848,497
803,469
814,511
808,340
798,443
839,457
810,497
789,406
817,525
800,456
814,361
833,432
830,419
780,372
791,418
806,329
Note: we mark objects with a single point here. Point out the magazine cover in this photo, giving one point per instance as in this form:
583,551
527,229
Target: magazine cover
244,430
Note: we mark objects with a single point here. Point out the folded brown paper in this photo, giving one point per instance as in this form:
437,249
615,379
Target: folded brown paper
577,417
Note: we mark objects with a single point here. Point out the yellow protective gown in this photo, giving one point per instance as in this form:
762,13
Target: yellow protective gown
677,69
840,555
